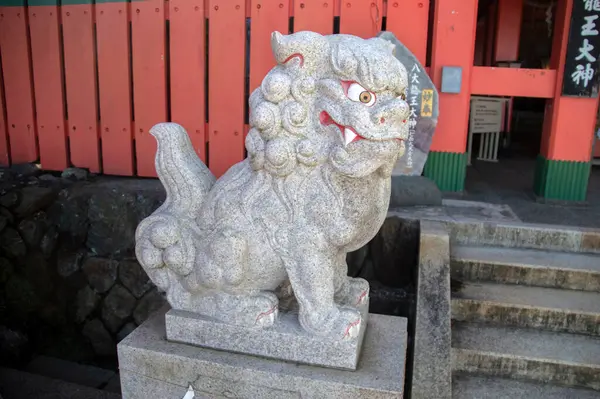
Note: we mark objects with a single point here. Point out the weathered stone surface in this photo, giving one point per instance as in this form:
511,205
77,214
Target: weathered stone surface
21,295
117,307
394,251
38,273
101,273
150,303
432,365
414,191
69,214
134,278
6,214
47,177
34,199
6,270
147,361
13,344
3,222
70,262
99,337
112,223
87,300
10,199
32,229
49,240
12,243
81,374
125,331
75,174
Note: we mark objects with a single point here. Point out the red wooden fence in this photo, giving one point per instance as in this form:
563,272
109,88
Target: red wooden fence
83,82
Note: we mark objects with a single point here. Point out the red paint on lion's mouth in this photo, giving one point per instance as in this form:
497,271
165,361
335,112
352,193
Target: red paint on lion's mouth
349,135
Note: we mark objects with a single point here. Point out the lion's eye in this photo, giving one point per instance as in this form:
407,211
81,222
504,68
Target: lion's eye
358,93
403,96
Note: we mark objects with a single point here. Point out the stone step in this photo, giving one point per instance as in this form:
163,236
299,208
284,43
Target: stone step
524,306
16,384
569,270
483,387
80,374
524,353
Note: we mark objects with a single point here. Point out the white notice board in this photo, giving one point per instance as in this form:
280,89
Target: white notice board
486,115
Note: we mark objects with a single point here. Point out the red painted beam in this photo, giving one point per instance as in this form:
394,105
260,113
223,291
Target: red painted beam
513,82
508,30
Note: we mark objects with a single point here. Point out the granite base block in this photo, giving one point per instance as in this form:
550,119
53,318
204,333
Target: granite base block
152,367
286,340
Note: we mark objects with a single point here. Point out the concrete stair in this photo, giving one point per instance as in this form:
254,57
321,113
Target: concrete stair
525,323
51,378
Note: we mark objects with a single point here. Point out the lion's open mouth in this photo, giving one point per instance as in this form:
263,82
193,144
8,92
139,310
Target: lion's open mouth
349,135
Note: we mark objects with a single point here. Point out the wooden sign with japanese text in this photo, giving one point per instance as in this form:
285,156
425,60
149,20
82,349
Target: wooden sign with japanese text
583,50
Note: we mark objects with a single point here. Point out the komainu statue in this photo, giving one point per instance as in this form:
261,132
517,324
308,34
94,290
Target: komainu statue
328,124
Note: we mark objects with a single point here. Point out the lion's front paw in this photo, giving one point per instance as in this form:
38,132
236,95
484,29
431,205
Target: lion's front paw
354,292
341,323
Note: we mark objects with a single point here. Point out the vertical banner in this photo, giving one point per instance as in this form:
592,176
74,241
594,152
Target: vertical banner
583,50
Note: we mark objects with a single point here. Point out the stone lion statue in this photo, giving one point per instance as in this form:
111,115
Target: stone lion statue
328,123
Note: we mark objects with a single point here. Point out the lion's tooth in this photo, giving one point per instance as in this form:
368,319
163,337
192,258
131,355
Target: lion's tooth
349,136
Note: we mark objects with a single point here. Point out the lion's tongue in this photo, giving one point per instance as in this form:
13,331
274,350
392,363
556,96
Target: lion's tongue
350,136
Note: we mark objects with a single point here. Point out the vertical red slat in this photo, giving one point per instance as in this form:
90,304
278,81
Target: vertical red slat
4,146
408,20
80,77
187,66
361,18
267,16
149,78
114,80
47,75
226,61
18,84
314,15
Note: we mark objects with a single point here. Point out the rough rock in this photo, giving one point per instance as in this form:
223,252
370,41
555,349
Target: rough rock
37,273
112,223
32,229
9,199
49,240
394,251
69,214
87,300
134,278
99,337
48,178
34,199
101,273
414,191
150,303
6,270
69,262
75,174
3,222
125,331
13,345
12,243
24,170
21,296
117,307
10,218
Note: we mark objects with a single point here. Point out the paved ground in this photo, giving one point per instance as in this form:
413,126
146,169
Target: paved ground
510,182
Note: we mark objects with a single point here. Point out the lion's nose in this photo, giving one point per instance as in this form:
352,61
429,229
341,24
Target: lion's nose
391,113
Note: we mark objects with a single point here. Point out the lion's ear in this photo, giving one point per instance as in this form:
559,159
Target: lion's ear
306,50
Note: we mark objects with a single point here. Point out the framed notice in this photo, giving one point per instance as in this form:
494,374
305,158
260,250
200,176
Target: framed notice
486,115
583,49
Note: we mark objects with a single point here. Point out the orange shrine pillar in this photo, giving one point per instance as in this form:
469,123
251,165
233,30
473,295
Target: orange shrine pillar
563,167
508,33
453,45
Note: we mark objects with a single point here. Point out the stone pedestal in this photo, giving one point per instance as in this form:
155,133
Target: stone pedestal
152,367
285,340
